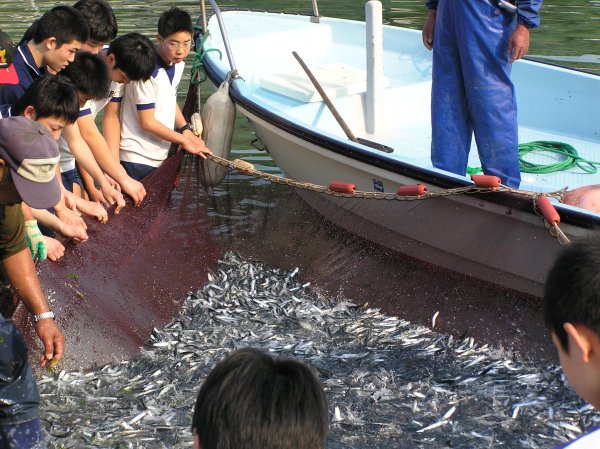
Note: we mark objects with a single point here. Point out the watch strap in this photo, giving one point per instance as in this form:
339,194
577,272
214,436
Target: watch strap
43,315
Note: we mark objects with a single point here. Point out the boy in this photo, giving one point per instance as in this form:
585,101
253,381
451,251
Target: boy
100,19
150,110
56,38
28,158
572,313
53,102
89,75
252,400
130,57
102,23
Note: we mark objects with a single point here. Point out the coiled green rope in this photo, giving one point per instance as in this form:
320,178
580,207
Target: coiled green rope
198,74
570,158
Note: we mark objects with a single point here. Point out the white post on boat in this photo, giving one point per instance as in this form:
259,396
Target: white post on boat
315,18
374,21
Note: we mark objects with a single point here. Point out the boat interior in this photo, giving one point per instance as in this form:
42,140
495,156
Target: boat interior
555,104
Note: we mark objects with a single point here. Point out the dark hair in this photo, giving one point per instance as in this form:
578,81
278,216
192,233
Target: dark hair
174,20
251,400
572,291
100,18
51,96
64,23
89,74
134,54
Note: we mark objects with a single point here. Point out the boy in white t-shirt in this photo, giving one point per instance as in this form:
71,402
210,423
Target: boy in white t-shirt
152,119
129,58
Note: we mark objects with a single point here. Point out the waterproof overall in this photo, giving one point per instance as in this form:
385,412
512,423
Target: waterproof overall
472,91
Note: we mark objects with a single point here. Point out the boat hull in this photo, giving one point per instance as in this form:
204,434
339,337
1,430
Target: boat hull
464,233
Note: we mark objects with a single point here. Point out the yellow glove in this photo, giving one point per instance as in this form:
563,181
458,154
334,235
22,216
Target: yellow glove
35,240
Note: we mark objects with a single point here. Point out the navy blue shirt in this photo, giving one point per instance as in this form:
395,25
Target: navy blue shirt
28,72
527,10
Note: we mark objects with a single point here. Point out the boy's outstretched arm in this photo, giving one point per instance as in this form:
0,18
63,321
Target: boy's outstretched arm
83,155
106,159
111,128
21,273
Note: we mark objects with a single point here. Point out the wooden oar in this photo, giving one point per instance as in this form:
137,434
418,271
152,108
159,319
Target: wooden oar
336,114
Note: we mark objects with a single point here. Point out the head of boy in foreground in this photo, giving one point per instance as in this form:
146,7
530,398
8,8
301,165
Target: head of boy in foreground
174,37
252,400
572,313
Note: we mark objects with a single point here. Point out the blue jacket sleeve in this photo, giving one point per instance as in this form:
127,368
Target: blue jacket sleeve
529,12
431,4
10,93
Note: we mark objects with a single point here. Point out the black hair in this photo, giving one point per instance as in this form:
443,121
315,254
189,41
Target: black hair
252,400
89,74
174,20
134,54
572,291
51,96
64,23
100,18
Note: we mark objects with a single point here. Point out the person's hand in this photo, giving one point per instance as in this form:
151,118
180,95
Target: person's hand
35,240
73,231
428,30
193,144
54,248
134,189
518,43
70,217
112,182
93,209
113,196
96,195
52,339
69,199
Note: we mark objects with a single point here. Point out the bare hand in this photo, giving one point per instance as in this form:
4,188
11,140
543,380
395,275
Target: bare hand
93,209
193,144
55,249
52,339
518,43
113,196
428,30
134,189
73,230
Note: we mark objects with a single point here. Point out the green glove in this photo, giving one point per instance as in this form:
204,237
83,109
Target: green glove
35,240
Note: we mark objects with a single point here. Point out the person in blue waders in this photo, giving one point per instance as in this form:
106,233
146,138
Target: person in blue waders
474,43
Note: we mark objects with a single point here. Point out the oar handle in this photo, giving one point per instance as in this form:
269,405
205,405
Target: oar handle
326,99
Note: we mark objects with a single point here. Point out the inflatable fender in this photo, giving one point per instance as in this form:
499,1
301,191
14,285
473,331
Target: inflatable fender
218,118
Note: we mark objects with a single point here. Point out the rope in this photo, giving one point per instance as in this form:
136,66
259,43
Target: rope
570,159
248,169
197,64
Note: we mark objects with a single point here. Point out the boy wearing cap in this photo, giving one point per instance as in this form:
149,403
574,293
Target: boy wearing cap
572,313
57,37
28,158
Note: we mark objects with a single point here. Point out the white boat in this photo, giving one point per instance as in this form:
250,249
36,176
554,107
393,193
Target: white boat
497,237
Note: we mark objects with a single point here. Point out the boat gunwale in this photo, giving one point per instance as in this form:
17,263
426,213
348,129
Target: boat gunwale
350,149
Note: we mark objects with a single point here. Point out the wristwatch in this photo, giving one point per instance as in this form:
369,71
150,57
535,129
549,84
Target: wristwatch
181,129
43,315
